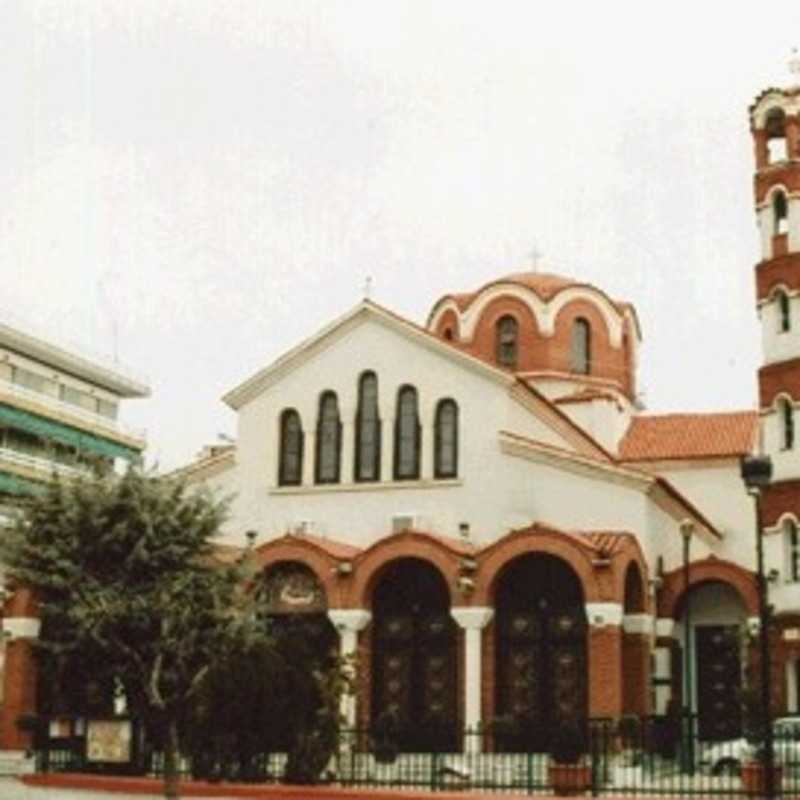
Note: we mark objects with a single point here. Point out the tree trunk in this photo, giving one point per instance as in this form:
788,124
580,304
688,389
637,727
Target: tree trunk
171,754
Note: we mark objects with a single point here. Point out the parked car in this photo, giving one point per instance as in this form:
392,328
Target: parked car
727,757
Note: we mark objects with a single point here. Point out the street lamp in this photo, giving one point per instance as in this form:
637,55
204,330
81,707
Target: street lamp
756,473
687,529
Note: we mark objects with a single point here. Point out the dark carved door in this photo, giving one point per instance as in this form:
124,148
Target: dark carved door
541,654
719,681
414,658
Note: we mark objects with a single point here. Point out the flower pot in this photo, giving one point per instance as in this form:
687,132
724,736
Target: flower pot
569,779
754,778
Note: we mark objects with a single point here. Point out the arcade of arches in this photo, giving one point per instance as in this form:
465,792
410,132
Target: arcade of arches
538,627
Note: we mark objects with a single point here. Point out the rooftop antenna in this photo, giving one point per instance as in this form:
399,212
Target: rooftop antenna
368,288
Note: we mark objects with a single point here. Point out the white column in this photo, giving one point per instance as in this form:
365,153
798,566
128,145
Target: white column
348,622
309,457
347,451
473,619
387,448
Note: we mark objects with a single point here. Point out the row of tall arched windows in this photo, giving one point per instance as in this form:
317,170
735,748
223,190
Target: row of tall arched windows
367,439
507,344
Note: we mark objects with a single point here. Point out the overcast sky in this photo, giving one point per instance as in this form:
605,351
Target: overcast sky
194,186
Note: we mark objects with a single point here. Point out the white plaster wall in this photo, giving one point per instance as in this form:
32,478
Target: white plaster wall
361,513
778,345
664,539
785,463
794,223
765,228
604,420
717,489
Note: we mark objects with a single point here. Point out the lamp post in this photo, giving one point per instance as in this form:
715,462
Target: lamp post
756,474
687,529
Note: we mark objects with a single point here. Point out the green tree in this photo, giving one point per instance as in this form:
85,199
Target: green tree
125,570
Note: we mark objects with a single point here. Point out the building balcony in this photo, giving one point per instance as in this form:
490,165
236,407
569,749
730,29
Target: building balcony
78,417
36,466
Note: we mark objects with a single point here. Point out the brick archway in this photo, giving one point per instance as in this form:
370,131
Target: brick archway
307,551
538,540
709,569
442,554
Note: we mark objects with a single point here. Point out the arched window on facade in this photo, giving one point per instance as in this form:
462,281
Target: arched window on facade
507,333
792,551
780,214
407,435
445,453
368,430
329,439
290,469
786,412
784,312
581,347
776,135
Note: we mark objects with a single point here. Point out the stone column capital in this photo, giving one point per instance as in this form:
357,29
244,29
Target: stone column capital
472,617
598,615
665,627
21,627
349,619
638,623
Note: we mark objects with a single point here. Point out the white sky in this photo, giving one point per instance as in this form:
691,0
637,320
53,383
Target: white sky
215,180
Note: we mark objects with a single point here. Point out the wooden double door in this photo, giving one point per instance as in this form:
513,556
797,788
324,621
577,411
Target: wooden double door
541,667
414,663
719,681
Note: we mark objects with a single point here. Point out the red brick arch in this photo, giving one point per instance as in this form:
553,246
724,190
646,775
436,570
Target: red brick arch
536,540
370,564
300,550
709,569
630,553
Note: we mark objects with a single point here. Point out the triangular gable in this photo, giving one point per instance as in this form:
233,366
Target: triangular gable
568,433
324,338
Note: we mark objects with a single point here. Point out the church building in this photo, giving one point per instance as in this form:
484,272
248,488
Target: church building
478,511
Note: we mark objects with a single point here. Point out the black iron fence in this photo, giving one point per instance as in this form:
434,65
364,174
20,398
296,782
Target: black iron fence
640,756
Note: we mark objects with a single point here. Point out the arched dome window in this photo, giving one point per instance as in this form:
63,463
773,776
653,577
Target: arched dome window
507,333
784,311
792,551
776,135
368,430
786,412
780,214
445,454
581,346
329,439
290,459
407,435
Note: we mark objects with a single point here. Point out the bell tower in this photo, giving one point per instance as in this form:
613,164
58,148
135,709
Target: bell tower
775,126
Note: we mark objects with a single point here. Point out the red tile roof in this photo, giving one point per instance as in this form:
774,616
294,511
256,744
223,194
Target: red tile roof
678,436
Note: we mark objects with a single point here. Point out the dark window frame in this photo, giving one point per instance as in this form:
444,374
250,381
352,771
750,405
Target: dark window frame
361,428
787,422
507,341
438,448
784,312
321,440
400,473
581,362
780,214
284,478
